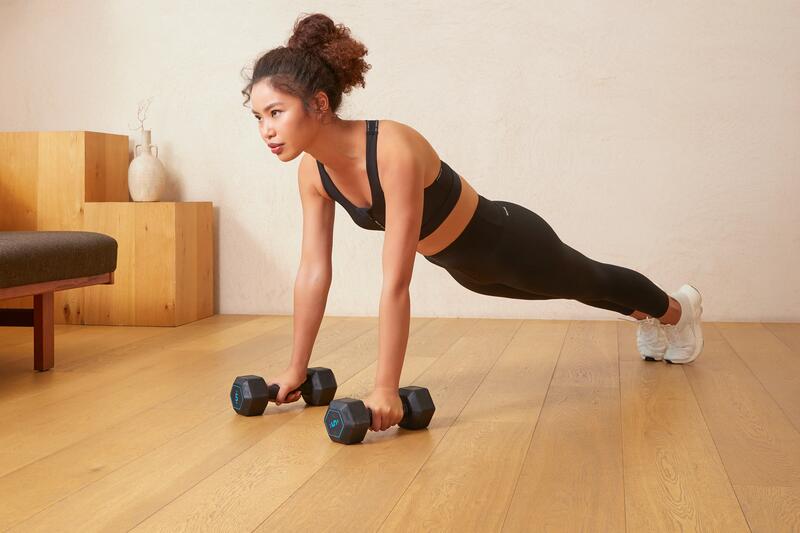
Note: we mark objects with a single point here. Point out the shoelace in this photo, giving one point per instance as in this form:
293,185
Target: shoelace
651,332
674,335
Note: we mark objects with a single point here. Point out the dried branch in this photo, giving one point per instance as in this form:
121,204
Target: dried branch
141,113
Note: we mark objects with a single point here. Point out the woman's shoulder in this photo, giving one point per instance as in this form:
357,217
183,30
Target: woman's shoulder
399,137
395,127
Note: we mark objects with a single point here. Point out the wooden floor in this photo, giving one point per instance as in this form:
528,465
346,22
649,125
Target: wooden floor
540,426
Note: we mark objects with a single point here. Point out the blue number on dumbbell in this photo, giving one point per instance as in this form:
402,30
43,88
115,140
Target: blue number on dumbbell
334,423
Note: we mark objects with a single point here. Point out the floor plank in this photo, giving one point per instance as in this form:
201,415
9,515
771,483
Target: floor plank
372,476
93,455
540,425
293,457
788,333
572,478
11,337
771,509
480,456
72,347
771,361
169,459
95,410
757,442
674,477
104,355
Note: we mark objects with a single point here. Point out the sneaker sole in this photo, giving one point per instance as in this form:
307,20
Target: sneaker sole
698,333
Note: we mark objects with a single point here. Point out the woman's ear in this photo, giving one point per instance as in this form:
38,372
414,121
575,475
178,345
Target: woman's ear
321,103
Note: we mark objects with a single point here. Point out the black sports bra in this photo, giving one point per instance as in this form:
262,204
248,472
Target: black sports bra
440,196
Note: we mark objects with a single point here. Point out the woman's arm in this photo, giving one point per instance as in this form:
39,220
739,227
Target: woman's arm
315,272
402,182
313,277
393,324
310,297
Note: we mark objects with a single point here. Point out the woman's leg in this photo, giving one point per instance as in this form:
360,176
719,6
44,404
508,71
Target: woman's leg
535,260
504,291
508,250
672,316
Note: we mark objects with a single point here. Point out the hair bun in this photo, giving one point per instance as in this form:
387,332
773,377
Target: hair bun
333,44
313,33
306,47
319,56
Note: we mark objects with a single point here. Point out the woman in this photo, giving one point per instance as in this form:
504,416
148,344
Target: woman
397,183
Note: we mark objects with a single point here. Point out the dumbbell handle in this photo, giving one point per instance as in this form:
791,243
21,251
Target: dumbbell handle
405,413
272,390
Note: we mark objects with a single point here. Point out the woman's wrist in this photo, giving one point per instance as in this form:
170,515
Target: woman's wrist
298,366
387,385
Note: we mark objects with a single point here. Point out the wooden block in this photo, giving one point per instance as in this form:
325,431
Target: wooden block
106,167
113,305
59,197
45,177
195,261
18,184
164,271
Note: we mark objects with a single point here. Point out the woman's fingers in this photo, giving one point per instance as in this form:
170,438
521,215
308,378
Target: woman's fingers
287,397
380,422
284,396
279,398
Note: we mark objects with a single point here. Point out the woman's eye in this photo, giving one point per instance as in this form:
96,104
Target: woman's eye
272,114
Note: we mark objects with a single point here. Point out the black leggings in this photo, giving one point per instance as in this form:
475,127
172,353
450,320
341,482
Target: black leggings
509,251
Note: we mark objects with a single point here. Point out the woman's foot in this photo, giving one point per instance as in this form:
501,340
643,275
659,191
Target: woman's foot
685,338
651,339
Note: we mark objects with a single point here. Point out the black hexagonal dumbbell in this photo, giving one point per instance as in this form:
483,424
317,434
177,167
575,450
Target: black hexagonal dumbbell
347,419
250,394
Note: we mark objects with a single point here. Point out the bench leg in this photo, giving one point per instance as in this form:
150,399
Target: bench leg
43,331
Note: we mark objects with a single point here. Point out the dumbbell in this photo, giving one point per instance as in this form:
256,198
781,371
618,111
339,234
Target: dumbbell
347,419
250,394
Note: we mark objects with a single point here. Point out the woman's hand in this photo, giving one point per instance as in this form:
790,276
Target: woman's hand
386,407
289,380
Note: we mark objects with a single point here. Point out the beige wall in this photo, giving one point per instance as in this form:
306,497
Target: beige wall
664,136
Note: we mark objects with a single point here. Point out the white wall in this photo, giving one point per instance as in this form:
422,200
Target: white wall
664,137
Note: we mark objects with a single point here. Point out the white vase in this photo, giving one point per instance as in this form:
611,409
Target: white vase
147,178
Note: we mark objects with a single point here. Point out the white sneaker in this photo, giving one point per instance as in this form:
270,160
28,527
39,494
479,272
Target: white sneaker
651,339
685,339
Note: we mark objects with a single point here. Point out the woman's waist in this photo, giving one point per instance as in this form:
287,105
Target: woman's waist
453,224
480,231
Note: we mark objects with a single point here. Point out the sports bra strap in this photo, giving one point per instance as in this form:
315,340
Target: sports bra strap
378,202
372,127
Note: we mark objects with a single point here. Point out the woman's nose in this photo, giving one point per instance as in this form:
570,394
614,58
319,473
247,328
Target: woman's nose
267,133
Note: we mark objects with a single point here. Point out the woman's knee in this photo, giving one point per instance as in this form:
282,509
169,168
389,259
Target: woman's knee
584,278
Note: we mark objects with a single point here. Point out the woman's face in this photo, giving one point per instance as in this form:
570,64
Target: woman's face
281,120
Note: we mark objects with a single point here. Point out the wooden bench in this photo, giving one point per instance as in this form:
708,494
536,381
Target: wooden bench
39,263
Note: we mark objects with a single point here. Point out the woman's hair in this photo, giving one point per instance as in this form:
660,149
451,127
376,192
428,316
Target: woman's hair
319,56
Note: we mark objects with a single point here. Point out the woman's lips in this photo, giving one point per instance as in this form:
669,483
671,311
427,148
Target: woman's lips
277,149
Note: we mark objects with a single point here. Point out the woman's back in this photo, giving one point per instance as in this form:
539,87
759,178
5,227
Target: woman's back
449,201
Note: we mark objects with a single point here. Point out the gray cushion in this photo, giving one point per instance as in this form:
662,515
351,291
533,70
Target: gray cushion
37,256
